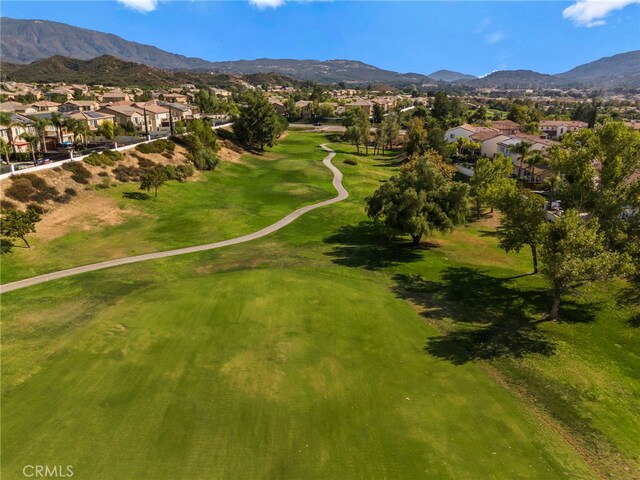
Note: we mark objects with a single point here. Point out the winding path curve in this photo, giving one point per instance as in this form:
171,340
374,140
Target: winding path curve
337,183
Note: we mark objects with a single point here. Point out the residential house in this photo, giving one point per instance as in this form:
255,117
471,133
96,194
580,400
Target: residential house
507,127
124,114
538,144
17,107
80,106
179,111
175,98
488,140
306,107
157,115
46,106
60,91
115,96
466,130
366,105
555,129
278,105
92,119
12,133
219,92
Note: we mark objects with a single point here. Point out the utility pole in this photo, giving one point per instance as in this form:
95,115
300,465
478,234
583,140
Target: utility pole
146,124
170,119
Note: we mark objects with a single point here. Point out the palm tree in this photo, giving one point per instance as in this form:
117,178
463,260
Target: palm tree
58,122
31,140
522,150
6,121
72,125
4,147
40,124
533,159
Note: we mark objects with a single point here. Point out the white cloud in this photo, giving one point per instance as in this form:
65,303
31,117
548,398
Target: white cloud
143,6
263,4
590,13
495,37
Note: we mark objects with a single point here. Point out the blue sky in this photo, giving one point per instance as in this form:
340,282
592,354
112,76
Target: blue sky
474,37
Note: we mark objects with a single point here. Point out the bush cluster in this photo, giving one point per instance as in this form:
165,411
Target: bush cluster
31,187
351,161
7,205
158,146
204,159
104,159
79,172
179,173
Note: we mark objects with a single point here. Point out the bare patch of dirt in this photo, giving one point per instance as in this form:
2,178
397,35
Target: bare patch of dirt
93,210
229,155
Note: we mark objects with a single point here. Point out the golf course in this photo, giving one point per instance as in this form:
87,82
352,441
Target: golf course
323,350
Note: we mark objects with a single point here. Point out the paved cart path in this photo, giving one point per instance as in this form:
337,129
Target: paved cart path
337,183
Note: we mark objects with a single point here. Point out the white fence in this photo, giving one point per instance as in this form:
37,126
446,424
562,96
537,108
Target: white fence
47,166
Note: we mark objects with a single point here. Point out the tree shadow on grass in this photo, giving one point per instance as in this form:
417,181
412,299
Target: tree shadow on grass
630,297
6,246
136,195
367,245
492,318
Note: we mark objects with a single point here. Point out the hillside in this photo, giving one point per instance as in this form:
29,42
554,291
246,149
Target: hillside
111,71
327,71
621,69
514,79
449,76
24,41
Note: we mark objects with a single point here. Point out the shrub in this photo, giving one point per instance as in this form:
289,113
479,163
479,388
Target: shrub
351,161
70,191
104,159
204,159
45,194
7,205
79,172
103,174
94,159
36,208
20,189
57,169
127,174
167,155
187,170
63,198
158,146
171,172
145,163
38,183
114,155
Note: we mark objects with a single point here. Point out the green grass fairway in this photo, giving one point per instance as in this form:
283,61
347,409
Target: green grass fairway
233,200
321,351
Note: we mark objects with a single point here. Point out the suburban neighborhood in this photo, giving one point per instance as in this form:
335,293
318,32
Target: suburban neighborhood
272,240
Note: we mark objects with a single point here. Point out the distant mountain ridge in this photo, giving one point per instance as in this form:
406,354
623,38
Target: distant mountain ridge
449,76
24,41
111,71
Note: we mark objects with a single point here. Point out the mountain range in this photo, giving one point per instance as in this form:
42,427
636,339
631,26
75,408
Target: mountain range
26,41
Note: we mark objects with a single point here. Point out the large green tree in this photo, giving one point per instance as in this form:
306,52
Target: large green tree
420,200
521,221
573,252
597,171
416,139
18,224
490,177
257,124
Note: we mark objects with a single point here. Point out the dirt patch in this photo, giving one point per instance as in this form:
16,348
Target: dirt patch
94,210
229,155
